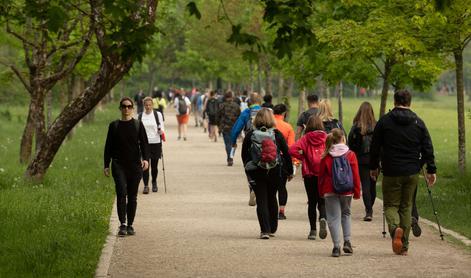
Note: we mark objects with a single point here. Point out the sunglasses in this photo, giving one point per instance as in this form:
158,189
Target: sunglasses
126,106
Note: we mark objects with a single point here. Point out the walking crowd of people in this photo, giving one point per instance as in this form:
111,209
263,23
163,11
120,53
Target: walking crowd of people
336,167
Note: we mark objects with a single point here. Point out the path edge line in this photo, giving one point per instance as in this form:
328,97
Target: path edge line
108,247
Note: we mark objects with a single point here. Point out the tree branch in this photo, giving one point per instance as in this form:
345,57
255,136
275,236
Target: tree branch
18,74
376,66
20,37
62,47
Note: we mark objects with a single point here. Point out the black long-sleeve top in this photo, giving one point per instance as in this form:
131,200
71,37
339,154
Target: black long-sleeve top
126,142
402,143
282,146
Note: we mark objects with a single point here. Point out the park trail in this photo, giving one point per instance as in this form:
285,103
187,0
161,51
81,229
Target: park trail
203,227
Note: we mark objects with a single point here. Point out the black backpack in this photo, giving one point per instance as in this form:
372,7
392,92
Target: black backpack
212,107
182,106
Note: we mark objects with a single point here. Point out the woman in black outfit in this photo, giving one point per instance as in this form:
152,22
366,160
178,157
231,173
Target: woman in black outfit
126,146
265,182
359,140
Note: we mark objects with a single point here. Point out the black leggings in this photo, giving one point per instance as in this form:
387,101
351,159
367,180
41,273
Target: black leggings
155,154
126,178
266,184
314,199
368,188
282,192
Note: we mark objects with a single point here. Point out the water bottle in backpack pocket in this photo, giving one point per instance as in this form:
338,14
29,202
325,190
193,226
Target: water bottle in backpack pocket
342,175
264,151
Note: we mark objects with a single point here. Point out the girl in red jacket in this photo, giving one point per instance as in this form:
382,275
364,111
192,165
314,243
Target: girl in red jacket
338,205
309,151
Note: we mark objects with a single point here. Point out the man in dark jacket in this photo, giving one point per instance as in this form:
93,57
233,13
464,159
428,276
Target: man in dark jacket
402,144
228,113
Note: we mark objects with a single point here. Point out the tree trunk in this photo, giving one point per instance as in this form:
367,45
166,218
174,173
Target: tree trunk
107,77
49,109
268,80
290,90
384,91
251,68
26,146
340,98
152,80
259,80
460,103
122,93
301,101
281,85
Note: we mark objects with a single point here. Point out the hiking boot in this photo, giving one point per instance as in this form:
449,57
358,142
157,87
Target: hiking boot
122,231
264,236
397,241
336,252
154,186
367,218
347,248
146,190
404,251
252,199
416,230
281,216
312,235
323,228
130,231
230,162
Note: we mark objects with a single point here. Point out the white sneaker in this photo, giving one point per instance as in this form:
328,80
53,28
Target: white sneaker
252,199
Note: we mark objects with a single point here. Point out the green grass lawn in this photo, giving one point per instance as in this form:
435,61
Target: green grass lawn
452,193
57,228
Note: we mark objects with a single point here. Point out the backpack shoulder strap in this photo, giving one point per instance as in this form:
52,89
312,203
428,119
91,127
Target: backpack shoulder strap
139,116
156,115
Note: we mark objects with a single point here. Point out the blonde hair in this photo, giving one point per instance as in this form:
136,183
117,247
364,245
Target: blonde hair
255,98
147,99
335,137
264,118
325,110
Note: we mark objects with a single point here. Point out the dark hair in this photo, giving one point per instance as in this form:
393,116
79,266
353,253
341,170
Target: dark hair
402,98
314,123
158,94
228,95
279,109
267,98
365,118
124,99
212,93
312,98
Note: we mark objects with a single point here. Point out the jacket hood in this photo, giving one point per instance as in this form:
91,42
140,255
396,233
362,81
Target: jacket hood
403,116
316,137
338,150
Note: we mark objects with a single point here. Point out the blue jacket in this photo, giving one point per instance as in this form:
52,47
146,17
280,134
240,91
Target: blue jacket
242,122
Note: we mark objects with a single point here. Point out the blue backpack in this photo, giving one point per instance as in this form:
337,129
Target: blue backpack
342,175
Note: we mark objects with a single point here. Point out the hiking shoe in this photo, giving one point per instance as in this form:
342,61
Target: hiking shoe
312,235
397,241
323,228
184,138
178,138
336,252
154,186
416,230
130,231
230,162
252,199
264,236
367,218
347,248
281,216
271,234
122,231
404,251
146,190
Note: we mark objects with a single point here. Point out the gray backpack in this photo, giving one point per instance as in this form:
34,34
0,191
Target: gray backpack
264,151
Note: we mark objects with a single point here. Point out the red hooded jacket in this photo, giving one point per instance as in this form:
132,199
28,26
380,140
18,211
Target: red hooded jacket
308,149
325,176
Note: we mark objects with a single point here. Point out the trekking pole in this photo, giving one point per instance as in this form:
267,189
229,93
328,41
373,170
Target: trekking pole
433,205
384,224
163,164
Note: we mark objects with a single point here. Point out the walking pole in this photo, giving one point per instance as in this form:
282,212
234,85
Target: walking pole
433,205
163,164
384,224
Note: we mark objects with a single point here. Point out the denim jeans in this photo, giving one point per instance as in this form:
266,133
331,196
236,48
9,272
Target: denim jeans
227,143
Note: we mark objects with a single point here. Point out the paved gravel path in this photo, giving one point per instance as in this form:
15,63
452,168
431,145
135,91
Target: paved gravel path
203,227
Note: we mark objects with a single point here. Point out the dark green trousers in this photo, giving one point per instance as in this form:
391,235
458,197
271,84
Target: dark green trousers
398,195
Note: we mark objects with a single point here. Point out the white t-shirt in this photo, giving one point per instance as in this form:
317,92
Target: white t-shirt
148,120
188,104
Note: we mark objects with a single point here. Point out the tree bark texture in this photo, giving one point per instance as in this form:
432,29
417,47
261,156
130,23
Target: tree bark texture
384,92
461,115
268,80
301,101
281,88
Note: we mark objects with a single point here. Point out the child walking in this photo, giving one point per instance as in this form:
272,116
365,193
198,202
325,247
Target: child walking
339,181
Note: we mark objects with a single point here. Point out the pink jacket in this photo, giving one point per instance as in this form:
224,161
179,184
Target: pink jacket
308,149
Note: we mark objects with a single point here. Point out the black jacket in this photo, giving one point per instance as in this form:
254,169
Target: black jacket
402,142
360,144
286,164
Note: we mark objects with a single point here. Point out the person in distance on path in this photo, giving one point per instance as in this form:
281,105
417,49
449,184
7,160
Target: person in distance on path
126,149
228,113
154,124
313,104
265,145
402,144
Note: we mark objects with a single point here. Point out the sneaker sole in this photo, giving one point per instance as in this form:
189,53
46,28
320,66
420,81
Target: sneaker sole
323,229
347,252
397,241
